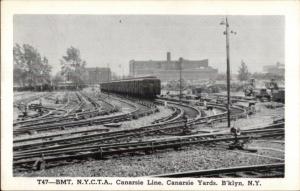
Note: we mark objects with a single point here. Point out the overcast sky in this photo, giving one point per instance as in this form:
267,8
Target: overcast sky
114,40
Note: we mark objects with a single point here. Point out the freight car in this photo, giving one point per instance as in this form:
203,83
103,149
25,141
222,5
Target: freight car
144,87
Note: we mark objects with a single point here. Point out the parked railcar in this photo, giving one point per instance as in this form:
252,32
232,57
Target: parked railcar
278,95
145,87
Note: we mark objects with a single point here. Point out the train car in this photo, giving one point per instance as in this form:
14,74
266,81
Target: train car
278,95
144,87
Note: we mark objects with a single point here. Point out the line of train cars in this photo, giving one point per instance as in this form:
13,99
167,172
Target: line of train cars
143,87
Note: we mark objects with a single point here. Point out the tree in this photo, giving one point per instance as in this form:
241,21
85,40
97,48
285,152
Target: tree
57,78
243,74
73,67
30,69
44,71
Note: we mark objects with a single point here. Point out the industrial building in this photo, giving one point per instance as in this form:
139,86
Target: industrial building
97,75
167,70
277,69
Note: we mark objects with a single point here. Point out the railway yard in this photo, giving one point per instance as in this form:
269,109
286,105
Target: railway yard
100,133
148,98
93,133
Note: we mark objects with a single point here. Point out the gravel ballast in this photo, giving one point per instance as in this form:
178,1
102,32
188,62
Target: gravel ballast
168,161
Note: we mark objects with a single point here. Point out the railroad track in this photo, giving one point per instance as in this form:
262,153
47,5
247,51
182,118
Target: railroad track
85,119
56,113
68,117
82,103
163,128
29,99
100,150
93,138
106,137
174,116
190,111
71,124
97,144
145,107
236,111
274,170
50,137
179,110
24,102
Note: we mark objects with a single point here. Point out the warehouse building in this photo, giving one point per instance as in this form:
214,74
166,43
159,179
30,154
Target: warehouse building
97,75
167,70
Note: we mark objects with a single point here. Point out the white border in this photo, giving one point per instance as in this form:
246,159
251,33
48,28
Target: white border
290,9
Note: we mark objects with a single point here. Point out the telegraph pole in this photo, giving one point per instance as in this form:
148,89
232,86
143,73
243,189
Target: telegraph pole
228,73
227,33
180,78
108,69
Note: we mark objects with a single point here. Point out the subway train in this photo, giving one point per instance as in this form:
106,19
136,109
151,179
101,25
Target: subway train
143,87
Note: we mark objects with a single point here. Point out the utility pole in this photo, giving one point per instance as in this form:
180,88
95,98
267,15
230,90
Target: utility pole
108,78
227,33
180,78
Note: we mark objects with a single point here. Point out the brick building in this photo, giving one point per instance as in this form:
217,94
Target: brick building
169,69
97,75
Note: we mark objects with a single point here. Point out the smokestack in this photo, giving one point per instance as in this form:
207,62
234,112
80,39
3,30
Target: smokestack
168,56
